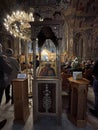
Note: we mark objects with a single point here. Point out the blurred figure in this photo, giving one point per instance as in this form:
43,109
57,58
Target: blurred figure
4,68
37,61
15,70
2,123
88,73
94,111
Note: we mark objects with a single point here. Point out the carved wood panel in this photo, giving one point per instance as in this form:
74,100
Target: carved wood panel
47,97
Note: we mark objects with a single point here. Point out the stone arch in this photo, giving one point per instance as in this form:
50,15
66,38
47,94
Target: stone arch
76,45
65,37
81,45
84,35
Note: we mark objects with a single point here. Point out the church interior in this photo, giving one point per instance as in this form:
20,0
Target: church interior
55,43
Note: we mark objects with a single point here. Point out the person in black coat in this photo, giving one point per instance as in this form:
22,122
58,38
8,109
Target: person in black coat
5,68
5,72
94,111
37,61
15,70
2,87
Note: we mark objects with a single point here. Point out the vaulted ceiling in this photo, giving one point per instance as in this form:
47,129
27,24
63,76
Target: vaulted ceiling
74,7
82,13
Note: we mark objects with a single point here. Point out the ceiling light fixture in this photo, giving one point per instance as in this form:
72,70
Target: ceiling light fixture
18,24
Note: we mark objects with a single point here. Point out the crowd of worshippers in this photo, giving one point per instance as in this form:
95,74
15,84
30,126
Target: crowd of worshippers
89,70
86,66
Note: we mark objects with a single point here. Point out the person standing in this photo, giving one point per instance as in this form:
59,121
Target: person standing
15,69
94,111
5,68
37,61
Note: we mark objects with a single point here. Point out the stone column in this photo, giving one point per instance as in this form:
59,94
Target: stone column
19,50
34,57
26,51
16,46
84,45
58,57
70,42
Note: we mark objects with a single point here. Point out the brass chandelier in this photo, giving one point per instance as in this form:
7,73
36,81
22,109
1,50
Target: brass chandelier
18,24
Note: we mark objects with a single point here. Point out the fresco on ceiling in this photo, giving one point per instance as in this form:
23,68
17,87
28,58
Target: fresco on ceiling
47,2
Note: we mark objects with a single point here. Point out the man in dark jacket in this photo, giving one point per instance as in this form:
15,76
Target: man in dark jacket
15,70
37,61
95,87
5,68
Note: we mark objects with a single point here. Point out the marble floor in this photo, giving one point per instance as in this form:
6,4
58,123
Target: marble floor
48,123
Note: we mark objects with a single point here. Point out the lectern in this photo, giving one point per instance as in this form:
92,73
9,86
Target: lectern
78,101
21,104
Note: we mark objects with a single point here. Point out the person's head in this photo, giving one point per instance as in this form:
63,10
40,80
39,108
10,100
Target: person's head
9,52
36,56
